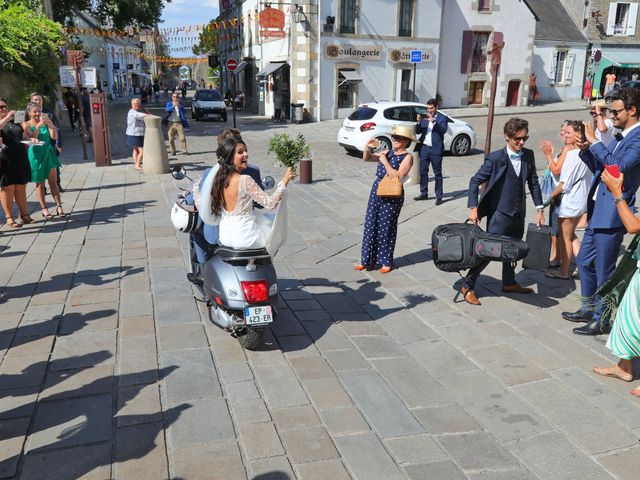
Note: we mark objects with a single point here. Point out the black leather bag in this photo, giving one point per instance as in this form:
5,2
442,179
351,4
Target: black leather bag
460,246
539,241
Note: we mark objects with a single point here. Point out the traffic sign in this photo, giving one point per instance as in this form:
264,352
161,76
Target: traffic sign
231,64
416,56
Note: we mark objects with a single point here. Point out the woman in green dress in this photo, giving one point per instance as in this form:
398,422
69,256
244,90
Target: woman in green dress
44,162
624,340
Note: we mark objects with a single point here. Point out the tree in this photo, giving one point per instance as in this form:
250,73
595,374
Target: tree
207,41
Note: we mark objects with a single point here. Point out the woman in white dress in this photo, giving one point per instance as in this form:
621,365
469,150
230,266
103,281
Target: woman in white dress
232,197
575,180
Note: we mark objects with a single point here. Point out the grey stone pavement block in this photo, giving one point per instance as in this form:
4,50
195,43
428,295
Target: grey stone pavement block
311,368
540,356
478,450
18,402
344,421
141,452
379,346
233,372
308,444
89,318
220,461
135,304
260,440
280,387
189,375
274,468
358,325
380,404
506,364
137,326
14,432
138,360
407,329
39,345
436,471
551,455
295,417
591,428
366,458
322,470
328,336
178,337
342,360
78,349
624,464
196,422
77,383
497,409
239,391
327,393
92,462
22,371
439,358
518,474
71,422
412,383
415,449
249,411
466,335
138,404
446,419
175,310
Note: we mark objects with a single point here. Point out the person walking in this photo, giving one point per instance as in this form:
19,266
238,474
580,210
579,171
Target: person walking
42,157
610,82
176,118
533,89
135,131
605,231
156,91
69,100
381,219
15,171
431,129
506,172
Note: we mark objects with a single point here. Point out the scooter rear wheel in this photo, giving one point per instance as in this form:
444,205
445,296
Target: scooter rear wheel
250,338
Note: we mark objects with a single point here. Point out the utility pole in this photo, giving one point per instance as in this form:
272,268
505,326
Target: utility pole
496,59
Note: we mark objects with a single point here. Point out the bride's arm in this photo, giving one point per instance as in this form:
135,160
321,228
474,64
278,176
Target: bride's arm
258,195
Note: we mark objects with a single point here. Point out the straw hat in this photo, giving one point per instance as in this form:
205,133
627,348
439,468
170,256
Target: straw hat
402,131
598,103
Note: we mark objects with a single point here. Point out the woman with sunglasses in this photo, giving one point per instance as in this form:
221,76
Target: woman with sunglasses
381,220
572,190
15,171
39,129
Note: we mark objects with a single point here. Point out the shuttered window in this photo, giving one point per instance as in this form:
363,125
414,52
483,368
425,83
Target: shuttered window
405,18
347,16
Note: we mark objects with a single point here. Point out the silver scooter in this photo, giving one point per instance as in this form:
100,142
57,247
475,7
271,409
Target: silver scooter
240,288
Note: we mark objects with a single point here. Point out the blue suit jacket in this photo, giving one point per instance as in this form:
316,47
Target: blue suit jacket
603,213
437,134
183,116
492,171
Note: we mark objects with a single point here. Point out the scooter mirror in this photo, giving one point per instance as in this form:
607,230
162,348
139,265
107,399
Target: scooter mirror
178,172
268,182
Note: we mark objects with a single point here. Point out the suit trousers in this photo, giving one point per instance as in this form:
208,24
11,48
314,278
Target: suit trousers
500,224
596,262
429,155
177,129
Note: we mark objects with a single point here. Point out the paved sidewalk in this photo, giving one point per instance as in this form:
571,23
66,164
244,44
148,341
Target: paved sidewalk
111,369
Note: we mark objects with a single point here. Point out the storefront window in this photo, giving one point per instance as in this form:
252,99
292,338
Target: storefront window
405,18
479,51
347,91
347,16
406,94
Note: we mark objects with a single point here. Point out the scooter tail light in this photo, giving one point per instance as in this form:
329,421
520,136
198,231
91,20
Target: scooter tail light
367,126
256,291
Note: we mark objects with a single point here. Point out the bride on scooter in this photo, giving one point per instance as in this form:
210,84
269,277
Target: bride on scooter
231,197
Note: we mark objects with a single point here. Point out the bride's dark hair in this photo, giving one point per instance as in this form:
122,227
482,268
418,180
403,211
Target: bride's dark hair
225,152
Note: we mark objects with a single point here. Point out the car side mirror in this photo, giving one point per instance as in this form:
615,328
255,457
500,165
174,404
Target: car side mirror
268,182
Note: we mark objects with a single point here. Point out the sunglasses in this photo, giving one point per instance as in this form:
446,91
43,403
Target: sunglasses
397,138
3,106
615,112
521,139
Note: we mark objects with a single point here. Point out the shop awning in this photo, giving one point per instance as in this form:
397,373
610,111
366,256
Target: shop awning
349,76
241,67
629,59
270,69
140,74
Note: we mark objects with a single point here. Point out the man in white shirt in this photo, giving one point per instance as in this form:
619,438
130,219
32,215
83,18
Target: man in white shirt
602,125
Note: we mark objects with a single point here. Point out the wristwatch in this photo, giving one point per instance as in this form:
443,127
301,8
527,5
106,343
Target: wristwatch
619,199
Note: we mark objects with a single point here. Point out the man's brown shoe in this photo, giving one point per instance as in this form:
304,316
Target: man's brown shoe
516,289
469,296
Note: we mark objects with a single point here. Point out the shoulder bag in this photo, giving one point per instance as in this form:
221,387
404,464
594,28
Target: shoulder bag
390,187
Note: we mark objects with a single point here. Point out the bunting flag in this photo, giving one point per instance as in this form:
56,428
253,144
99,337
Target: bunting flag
158,58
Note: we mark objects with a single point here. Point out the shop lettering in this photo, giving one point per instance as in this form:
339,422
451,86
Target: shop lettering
338,52
403,55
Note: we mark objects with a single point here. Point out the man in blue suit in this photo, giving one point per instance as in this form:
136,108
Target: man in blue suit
430,130
507,171
175,118
603,236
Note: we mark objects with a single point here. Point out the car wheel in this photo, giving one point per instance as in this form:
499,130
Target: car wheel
385,143
352,151
460,145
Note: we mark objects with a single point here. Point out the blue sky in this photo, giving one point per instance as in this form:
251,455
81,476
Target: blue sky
180,13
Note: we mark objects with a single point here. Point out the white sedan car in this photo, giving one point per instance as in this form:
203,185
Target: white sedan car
375,120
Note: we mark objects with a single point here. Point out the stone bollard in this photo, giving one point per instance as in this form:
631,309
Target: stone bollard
414,173
155,158
305,171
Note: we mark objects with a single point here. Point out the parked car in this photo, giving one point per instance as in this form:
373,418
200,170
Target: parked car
629,84
208,102
375,120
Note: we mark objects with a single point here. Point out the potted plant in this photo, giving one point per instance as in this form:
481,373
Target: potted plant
290,151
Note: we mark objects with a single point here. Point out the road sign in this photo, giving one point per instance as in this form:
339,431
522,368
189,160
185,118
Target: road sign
231,64
416,56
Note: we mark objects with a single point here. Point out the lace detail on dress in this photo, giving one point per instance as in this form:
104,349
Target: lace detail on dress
196,194
249,191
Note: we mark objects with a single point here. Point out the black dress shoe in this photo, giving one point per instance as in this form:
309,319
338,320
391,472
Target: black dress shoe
593,328
579,316
421,197
439,201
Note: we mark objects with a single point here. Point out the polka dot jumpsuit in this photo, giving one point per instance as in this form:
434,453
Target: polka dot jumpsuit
381,220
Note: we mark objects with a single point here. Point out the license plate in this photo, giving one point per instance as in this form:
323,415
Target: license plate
258,315
349,129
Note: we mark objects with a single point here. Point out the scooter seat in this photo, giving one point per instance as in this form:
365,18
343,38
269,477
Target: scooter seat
247,254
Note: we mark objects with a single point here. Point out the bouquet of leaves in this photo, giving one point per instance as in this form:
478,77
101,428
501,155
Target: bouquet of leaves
289,151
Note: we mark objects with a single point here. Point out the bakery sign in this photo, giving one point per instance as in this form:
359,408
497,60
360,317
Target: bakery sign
352,52
271,22
403,55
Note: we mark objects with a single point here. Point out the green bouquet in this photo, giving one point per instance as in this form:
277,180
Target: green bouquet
289,151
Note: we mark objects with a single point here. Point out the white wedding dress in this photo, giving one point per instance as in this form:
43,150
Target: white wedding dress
241,229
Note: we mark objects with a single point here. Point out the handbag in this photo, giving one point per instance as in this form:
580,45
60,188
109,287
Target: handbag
390,187
547,187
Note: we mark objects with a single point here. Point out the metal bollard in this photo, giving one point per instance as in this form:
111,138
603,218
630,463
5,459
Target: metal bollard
414,173
155,158
304,168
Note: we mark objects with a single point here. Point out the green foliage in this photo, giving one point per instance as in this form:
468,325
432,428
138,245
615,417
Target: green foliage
123,13
289,151
25,37
207,43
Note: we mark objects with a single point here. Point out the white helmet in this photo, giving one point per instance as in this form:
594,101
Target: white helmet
184,220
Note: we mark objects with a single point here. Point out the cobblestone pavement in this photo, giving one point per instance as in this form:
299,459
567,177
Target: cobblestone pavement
111,369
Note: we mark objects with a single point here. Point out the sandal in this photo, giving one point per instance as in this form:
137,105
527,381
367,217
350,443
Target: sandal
60,212
11,223
46,213
556,274
359,267
384,270
26,219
